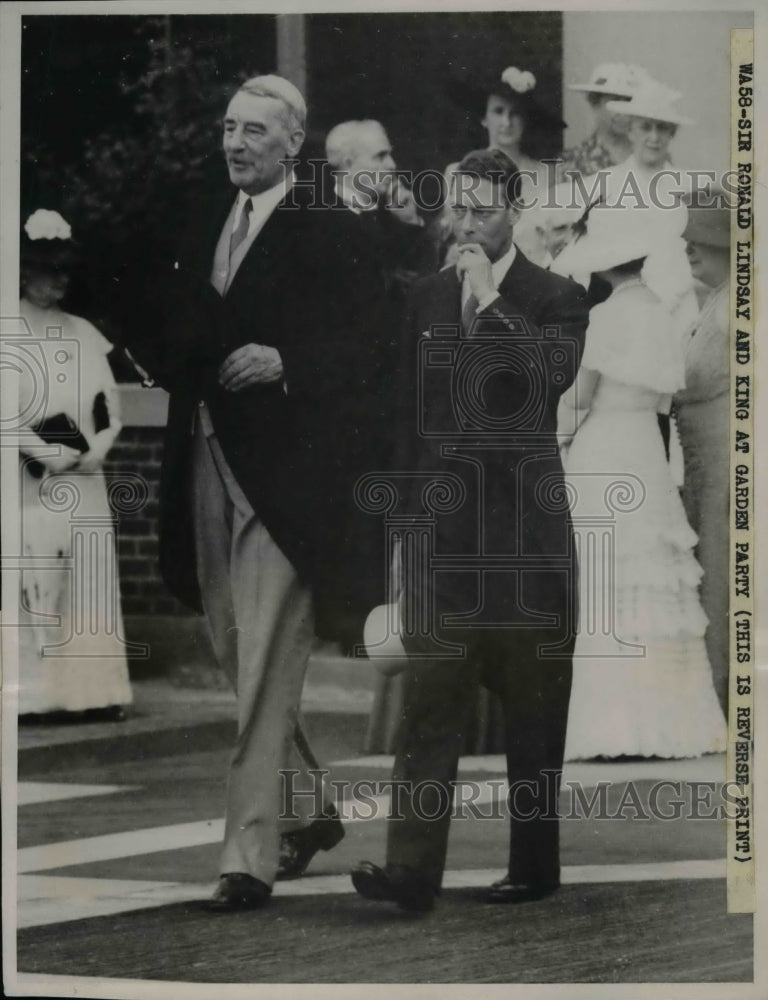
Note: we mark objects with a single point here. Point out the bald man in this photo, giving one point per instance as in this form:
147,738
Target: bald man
367,182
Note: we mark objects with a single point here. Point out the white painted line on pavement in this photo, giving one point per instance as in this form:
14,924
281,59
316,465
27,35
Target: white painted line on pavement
649,871
120,845
53,899
181,835
131,843
32,792
379,760
362,810
46,899
710,767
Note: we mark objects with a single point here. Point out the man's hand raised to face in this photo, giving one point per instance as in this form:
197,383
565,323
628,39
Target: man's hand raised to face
251,364
474,263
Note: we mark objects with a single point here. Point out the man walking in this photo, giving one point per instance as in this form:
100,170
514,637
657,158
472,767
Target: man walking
500,340
270,373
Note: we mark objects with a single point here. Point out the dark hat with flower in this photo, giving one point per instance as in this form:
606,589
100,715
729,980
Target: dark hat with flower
46,242
515,85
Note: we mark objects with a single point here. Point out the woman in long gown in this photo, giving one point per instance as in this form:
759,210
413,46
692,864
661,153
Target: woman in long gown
71,654
644,187
702,409
641,680
654,120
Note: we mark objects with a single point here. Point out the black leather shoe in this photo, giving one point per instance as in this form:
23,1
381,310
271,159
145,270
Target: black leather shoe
298,847
238,891
394,884
507,891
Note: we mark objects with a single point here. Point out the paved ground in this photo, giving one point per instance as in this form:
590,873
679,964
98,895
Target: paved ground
118,831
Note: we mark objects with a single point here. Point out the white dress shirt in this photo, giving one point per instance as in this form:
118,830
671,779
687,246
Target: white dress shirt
263,204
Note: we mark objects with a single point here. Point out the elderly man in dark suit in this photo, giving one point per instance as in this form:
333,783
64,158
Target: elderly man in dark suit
270,355
366,180
497,340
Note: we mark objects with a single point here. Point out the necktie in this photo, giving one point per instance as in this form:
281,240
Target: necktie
468,307
239,234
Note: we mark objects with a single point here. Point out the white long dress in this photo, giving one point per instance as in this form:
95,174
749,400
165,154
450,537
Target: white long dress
71,653
642,683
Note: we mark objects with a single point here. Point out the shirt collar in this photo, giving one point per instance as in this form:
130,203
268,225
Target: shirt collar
264,201
353,200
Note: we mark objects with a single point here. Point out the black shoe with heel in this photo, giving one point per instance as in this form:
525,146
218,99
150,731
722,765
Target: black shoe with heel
238,891
394,884
298,847
507,890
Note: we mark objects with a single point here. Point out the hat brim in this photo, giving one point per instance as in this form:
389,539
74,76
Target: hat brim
591,255
587,88
48,255
654,112
474,96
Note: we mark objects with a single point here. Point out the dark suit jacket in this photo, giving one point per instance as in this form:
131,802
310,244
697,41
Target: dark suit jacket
309,287
484,409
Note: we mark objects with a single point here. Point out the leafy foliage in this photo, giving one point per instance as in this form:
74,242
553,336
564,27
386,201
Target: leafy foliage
125,185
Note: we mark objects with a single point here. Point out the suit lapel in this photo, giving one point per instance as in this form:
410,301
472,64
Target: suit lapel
265,250
211,225
444,307
521,281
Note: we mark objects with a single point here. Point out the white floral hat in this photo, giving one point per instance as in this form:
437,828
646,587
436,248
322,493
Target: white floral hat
519,80
44,224
621,79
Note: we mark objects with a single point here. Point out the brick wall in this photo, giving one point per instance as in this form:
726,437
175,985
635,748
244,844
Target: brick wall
135,460
138,452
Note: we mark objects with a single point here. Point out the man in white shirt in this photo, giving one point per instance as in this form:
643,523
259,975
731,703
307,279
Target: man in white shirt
262,360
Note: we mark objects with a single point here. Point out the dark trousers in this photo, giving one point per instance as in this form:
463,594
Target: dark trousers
440,696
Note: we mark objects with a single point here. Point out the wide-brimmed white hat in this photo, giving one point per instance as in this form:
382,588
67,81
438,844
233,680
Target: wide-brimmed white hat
383,644
614,78
653,100
615,235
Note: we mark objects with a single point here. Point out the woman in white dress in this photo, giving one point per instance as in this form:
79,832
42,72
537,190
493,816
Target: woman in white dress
641,684
654,120
71,653
703,411
643,186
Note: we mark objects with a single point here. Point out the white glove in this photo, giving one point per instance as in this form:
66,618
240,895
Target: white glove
93,459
